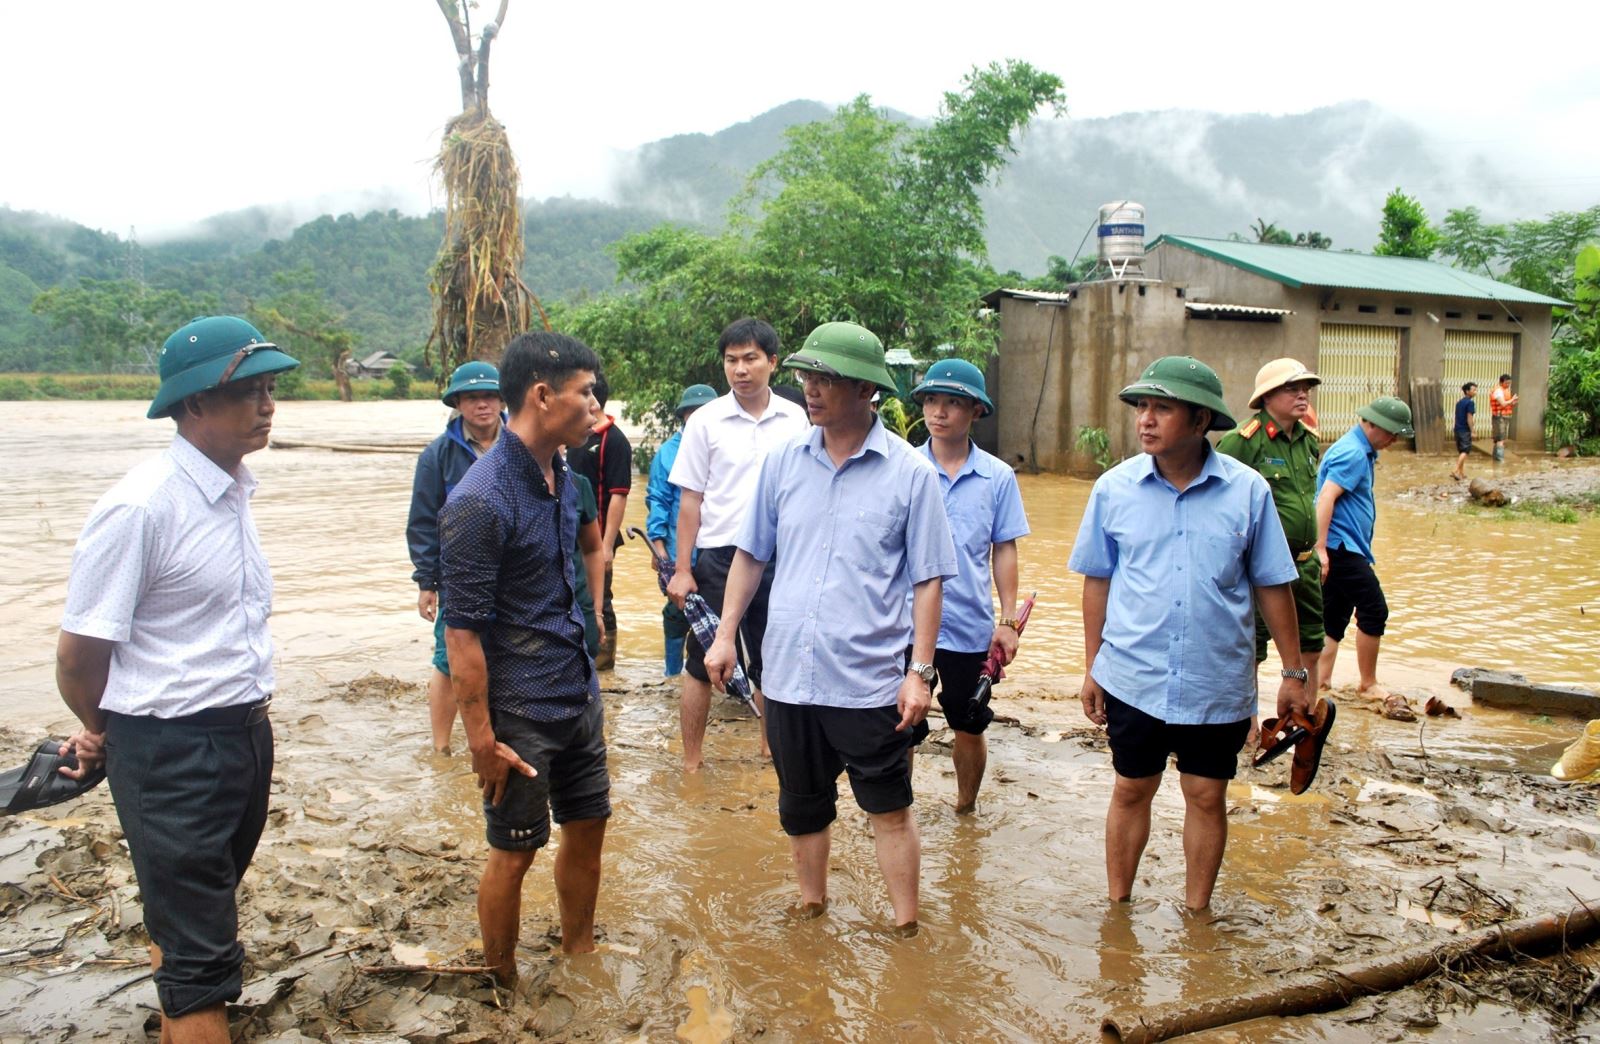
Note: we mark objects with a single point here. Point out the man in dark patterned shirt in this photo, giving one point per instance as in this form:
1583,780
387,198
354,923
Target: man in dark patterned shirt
523,678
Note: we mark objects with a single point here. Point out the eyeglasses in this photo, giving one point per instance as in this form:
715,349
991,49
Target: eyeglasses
1299,387
821,380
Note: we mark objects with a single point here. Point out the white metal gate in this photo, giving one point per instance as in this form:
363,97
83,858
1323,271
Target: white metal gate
1475,355
1357,364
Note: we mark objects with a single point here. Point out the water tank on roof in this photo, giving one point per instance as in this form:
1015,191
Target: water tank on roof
1121,234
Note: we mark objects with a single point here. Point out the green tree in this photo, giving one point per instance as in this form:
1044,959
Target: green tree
1314,240
298,316
1267,232
1469,243
1405,231
1573,415
114,324
859,217
1540,254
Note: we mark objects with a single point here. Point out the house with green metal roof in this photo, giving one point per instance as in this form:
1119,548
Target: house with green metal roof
1368,325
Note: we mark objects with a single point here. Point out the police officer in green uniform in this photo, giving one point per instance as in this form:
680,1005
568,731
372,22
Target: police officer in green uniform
1284,448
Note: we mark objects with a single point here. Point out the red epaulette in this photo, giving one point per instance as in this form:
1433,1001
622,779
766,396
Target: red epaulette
1272,430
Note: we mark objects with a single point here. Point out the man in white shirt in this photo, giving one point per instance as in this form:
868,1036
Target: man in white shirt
717,466
166,659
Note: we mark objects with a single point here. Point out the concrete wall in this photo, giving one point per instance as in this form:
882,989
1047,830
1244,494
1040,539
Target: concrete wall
1060,365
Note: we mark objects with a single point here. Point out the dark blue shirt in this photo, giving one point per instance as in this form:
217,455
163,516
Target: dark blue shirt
505,548
1465,408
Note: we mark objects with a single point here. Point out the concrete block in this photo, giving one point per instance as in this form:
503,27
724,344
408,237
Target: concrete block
1514,692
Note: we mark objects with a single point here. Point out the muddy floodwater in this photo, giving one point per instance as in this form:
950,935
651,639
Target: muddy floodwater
1414,830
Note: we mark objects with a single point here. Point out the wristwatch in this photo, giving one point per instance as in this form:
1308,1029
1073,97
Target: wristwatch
1297,673
1008,621
924,671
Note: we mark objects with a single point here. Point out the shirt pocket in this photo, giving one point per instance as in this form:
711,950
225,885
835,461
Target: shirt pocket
1224,551
873,541
972,525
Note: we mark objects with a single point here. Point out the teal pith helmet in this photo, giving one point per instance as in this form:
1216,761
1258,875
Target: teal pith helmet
211,351
1390,414
1184,379
844,350
955,377
471,377
695,396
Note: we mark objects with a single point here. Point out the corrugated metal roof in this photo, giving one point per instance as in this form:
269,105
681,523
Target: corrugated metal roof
1301,266
1233,309
900,357
1027,295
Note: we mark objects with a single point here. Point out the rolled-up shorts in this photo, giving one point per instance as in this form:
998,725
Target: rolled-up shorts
441,661
1352,585
572,782
1463,441
711,578
1307,588
811,745
1502,428
1141,744
192,801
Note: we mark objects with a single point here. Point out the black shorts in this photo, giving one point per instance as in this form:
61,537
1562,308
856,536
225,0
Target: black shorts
811,745
1463,441
1140,744
956,682
1352,585
192,801
572,782
711,577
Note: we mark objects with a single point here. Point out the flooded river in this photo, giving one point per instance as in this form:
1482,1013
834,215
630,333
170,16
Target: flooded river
1017,942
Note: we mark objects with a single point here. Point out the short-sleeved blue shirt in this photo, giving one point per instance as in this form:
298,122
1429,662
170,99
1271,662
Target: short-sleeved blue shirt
1466,406
1350,463
851,543
985,508
505,549
1179,636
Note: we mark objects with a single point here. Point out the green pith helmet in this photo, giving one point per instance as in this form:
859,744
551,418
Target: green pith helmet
695,396
844,350
1390,414
955,377
210,351
1184,379
471,377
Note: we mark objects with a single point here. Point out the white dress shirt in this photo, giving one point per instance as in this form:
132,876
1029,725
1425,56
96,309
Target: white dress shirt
720,458
170,568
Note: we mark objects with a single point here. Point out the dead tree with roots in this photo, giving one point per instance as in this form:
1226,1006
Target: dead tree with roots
479,300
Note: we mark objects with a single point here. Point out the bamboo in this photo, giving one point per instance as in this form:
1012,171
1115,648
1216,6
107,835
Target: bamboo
1332,988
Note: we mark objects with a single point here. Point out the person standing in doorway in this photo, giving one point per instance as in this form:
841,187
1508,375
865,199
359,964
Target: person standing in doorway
1466,408
1346,516
1176,546
166,659
716,468
474,391
1502,404
984,507
1278,444
606,460
661,524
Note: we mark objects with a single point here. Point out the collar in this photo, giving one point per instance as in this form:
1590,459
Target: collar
523,459
877,442
1294,431
212,481
1361,436
968,466
1210,468
740,411
603,425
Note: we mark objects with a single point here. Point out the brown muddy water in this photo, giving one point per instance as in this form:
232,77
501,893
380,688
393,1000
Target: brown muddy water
374,844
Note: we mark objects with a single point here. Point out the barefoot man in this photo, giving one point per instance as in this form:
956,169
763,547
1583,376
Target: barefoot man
523,678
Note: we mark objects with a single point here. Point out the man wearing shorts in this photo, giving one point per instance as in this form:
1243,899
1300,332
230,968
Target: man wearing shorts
1175,546
166,659
986,519
1277,443
851,520
1346,515
527,688
716,468
1465,409
661,522
474,391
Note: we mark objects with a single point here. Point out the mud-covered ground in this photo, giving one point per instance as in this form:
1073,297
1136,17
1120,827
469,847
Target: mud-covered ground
1526,481
1414,831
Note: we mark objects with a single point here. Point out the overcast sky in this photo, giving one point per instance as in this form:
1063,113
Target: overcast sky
160,112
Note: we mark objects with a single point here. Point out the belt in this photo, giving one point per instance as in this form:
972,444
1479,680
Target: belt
248,714
1306,556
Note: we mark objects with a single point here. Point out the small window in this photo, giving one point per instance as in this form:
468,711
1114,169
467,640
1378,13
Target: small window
1141,289
1401,310
1367,309
1485,317
1178,291
1513,318
1335,307
1452,315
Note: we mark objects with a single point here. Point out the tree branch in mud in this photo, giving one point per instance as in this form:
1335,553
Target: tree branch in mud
1332,988
425,969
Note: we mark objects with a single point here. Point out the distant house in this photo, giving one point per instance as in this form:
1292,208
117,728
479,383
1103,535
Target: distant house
1368,325
378,364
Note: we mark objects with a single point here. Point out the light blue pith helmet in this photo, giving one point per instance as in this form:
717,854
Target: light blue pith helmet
471,377
955,377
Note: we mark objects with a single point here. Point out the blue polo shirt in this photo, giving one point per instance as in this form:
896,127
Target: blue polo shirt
850,542
1179,636
1351,463
505,548
985,508
1466,406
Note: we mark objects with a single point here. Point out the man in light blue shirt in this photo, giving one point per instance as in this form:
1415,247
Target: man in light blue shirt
661,523
1172,546
1346,515
854,517
986,518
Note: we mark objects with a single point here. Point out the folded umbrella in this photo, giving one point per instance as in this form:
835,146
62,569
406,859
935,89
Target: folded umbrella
993,669
703,621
